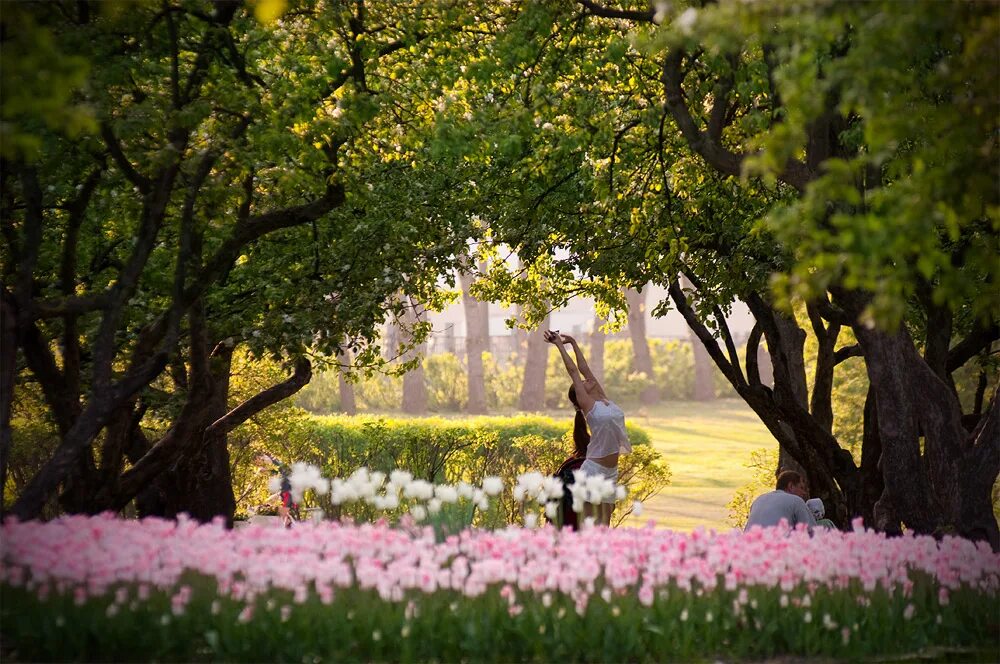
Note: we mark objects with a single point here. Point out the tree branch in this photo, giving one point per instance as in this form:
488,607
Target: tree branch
257,403
720,95
606,12
124,165
972,345
821,403
753,343
795,173
711,345
67,283
727,336
718,157
258,226
847,352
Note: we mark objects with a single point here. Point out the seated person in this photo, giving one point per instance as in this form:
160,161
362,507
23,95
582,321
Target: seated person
817,508
786,502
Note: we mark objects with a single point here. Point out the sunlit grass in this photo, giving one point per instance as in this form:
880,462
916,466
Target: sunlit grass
706,445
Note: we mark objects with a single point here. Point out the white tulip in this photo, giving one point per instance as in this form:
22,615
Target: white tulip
492,485
400,477
446,493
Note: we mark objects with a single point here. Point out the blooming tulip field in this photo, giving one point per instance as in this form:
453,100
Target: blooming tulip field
103,588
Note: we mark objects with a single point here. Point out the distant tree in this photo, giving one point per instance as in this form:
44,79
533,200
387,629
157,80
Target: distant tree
477,342
596,357
535,367
348,404
642,360
414,380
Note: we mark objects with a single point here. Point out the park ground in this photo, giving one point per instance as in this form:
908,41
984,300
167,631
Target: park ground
707,446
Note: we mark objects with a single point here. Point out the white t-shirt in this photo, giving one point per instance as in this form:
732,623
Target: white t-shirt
607,431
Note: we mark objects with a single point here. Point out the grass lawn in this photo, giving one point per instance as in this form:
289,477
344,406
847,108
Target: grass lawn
706,445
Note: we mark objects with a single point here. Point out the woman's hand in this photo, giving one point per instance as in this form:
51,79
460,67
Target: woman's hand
566,339
553,337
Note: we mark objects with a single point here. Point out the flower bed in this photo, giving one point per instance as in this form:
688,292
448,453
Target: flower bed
108,589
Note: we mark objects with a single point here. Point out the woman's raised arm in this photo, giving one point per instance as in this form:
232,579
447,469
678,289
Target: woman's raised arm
581,361
585,401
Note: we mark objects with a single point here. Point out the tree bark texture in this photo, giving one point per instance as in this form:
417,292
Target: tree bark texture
946,487
199,482
8,362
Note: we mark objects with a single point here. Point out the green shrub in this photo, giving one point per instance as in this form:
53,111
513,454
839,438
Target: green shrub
447,383
503,382
448,451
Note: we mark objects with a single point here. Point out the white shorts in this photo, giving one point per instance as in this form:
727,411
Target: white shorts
595,469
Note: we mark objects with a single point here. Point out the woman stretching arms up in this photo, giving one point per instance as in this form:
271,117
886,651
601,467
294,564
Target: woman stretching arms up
606,420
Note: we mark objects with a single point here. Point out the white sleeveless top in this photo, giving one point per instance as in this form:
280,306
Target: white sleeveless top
607,431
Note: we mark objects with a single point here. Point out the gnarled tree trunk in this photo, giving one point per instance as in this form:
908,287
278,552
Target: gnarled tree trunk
946,486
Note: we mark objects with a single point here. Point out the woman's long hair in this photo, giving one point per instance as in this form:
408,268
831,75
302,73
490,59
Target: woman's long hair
581,437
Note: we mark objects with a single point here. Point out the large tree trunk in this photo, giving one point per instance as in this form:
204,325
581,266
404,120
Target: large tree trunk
200,483
596,359
414,382
188,469
871,484
535,366
642,361
947,487
791,357
477,339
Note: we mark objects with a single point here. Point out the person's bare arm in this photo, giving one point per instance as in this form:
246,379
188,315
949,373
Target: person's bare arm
585,401
581,361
